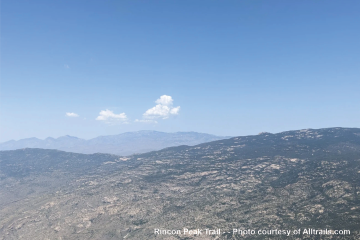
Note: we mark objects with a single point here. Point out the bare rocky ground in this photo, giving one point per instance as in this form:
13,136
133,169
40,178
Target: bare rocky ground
287,181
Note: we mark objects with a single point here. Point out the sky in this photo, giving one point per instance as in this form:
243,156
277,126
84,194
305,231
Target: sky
230,68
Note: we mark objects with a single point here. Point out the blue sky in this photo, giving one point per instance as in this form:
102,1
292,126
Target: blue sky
225,67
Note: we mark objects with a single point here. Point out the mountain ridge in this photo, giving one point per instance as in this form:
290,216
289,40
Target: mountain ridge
122,144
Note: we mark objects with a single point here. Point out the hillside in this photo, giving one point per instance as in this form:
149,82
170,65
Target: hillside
286,181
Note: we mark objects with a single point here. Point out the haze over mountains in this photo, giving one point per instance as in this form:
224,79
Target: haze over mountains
290,180
121,144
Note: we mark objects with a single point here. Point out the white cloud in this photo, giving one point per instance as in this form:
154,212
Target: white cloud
146,121
175,110
159,111
66,66
70,114
165,100
163,109
110,116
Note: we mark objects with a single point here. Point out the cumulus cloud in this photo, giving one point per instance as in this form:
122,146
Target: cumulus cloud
163,109
71,114
110,116
165,100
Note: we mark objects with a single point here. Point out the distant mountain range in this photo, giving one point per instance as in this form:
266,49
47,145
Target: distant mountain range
121,144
